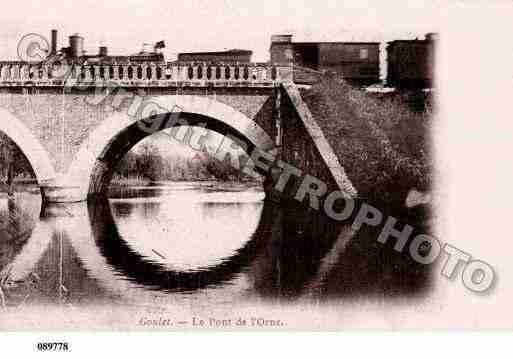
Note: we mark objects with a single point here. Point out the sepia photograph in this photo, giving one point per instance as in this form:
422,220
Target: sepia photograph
247,166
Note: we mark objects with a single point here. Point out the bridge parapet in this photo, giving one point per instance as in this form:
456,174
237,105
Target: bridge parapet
145,74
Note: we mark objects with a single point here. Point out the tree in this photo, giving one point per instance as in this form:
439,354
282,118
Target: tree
13,162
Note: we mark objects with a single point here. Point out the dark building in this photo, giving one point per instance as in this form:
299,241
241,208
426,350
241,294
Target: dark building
410,63
234,55
357,62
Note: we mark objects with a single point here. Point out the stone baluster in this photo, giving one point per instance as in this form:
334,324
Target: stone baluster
28,72
153,68
12,73
72,72
78,72
149,71
22,71
36,72
159,70
144,74
269,73
187,72
162,69
106,72
241,72
43,72
232,73
87,73
97,76
61,72
124,76
3,72
128,70
183,73
7,72
175,73
139,72
115,72
235,69
15,72
250,71
258,73
49,72
262,73
236,73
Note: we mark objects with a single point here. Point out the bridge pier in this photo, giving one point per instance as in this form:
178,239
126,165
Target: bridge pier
60,190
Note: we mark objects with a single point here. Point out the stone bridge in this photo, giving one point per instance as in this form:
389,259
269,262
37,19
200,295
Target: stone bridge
74,122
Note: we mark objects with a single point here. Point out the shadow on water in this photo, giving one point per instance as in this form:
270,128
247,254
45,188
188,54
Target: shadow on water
367,268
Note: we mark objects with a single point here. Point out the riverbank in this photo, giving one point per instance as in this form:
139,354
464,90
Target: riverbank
18,185
143,182
382,144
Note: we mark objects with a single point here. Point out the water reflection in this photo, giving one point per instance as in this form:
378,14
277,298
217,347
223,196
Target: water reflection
146,271
171,242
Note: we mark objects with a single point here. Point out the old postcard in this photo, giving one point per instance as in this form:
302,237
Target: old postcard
238,165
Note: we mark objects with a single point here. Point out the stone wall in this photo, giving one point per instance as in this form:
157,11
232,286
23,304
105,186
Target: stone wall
305,146
62,121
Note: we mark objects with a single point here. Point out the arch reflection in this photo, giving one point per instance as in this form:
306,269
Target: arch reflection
24,238
148,273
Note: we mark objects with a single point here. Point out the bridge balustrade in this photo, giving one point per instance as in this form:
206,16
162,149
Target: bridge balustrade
143,74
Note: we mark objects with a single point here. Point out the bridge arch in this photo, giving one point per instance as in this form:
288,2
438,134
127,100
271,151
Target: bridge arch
95,162
35,153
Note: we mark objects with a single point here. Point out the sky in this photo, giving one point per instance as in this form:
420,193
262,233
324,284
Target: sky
200,25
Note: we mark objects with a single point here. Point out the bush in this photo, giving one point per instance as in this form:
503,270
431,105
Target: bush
382,144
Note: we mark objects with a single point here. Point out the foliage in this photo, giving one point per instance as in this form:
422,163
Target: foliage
12,157
381,142
148,163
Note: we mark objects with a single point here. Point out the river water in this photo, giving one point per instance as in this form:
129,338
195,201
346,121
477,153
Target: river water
164,256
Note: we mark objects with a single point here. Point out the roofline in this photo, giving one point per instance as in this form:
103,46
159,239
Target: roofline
227,52
329,42
413,40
